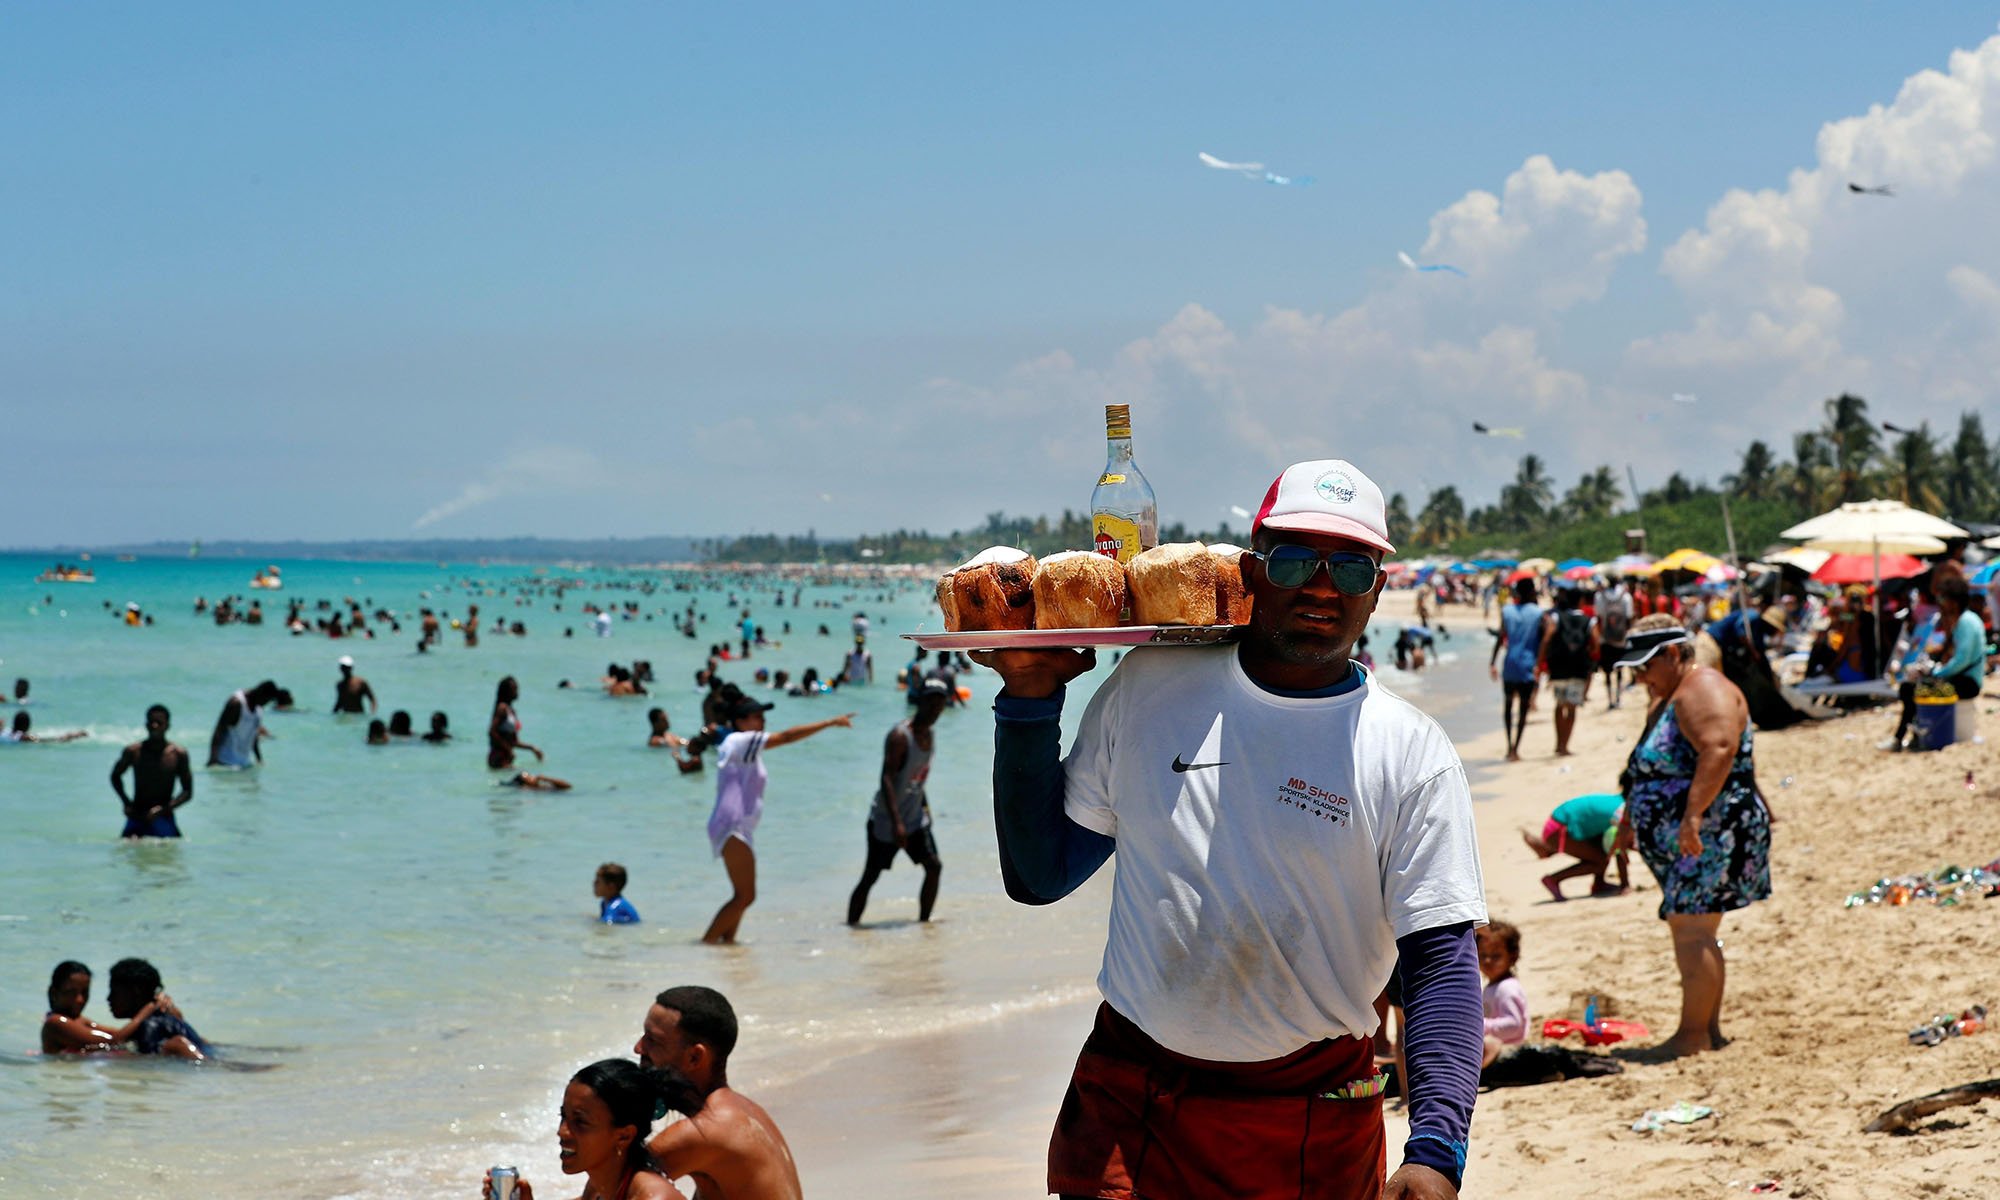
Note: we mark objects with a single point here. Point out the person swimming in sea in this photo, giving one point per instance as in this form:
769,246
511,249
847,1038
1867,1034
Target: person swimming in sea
135,987
65,1030
22,732
538,783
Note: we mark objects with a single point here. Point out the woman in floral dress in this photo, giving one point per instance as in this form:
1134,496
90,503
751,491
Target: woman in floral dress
1694,813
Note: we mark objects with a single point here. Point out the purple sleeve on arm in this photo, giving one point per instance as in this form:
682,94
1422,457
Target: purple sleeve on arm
1444,1038
1044,855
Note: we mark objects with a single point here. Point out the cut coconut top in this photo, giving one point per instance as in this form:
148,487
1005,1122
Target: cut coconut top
993,556
1066,555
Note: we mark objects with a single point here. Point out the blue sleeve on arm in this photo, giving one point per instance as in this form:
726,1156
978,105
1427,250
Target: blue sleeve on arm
1968,646
1044,855
1444,1039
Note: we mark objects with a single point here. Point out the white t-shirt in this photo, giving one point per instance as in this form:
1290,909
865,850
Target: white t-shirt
739,788
1270,850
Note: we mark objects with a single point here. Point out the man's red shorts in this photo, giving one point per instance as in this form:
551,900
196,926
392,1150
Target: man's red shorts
1142,1123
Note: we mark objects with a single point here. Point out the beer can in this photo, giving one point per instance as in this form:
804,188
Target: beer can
501,1186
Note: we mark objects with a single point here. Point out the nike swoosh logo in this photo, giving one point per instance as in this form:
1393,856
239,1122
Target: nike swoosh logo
1183,767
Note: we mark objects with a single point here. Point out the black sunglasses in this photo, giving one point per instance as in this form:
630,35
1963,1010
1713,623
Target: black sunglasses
1291,566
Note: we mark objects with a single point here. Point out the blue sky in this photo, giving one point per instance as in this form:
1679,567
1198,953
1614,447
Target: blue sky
626,269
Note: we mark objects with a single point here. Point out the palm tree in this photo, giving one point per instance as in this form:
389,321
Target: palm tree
1805,478
1443,518
1917,478
1525,502
1757,475
1595,495
1969,487
1854,442
1399,519
1675,490
1604,491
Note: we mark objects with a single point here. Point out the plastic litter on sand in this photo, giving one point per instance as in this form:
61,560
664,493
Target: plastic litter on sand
1943,887
1944,1025
1682,1113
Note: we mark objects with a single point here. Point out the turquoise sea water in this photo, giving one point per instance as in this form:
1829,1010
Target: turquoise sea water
412,947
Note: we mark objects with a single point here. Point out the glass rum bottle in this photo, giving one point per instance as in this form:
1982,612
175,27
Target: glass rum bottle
1123,518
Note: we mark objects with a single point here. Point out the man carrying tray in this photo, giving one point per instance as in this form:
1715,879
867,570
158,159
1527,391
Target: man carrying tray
1286,832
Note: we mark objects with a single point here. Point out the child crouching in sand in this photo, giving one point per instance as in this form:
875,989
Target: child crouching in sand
1503,999
1582,828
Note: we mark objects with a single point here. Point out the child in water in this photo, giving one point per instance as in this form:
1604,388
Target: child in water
1503,999
607,1111
609,888
65,1030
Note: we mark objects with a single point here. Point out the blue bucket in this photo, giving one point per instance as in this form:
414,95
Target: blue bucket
1936,724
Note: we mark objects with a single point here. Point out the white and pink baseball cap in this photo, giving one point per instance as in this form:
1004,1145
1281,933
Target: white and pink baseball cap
1330,496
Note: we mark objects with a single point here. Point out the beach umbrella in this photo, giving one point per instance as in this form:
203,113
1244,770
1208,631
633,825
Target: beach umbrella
1687,559
1799,558
1875,528
1537,566
1866,568
1868,526
1626,565
1580,571
1985,574
1569,564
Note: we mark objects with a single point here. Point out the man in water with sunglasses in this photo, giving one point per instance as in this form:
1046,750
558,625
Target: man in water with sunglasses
1287,835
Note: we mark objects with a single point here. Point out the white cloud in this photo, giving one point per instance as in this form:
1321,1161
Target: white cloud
1792,295
1816,288
1393,381
1551,236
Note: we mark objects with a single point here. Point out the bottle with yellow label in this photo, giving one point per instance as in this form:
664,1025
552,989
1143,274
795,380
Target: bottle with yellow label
1123,519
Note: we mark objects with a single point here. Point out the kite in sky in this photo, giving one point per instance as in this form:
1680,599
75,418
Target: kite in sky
1412,264
1252,170
1896,428
1685,398
1883,190
1505,433
1240,511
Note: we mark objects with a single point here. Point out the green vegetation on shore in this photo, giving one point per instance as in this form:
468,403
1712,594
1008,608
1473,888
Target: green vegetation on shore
1848,457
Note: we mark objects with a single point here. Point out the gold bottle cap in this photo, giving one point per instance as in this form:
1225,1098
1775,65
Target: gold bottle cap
1118,420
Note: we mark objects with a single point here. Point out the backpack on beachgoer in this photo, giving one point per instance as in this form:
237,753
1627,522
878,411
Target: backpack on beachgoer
1614,618
1569,649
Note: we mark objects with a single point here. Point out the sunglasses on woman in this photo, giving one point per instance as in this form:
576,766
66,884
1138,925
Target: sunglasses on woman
1291,566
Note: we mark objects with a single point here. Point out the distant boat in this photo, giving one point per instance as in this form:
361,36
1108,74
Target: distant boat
194,548
128,558
66,574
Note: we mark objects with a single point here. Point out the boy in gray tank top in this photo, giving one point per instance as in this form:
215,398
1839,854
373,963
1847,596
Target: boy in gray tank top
900,819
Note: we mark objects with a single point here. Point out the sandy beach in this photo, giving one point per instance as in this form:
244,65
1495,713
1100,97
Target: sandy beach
1820,1000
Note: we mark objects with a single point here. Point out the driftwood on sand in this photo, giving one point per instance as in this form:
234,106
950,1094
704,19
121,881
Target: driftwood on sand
1900,1118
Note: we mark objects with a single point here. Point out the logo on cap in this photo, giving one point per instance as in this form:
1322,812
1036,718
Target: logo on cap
1335,487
